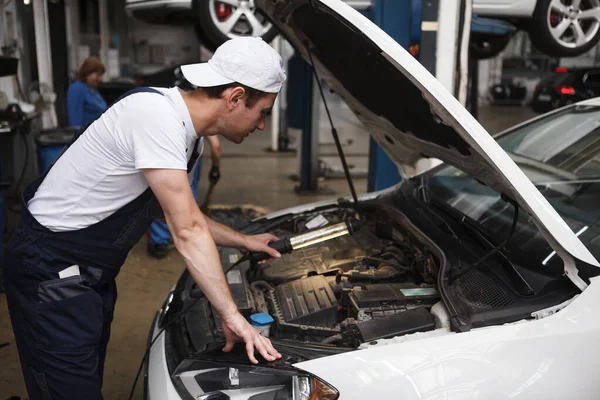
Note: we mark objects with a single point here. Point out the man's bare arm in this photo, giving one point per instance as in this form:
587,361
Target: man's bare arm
193,239
225,236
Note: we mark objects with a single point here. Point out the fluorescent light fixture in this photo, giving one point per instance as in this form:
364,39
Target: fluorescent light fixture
585,228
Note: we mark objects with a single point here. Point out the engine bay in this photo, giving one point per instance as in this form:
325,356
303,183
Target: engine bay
376,283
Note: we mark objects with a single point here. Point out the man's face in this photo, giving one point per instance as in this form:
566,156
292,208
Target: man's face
242,121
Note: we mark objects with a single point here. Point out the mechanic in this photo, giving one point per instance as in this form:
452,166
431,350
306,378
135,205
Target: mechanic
159,237
81,218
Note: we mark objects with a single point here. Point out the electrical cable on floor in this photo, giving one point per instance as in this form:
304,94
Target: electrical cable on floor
181,314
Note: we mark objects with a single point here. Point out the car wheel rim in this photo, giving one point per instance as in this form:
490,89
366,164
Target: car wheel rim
574,23
236,18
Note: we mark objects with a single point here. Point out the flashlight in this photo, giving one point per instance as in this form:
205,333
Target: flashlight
286,245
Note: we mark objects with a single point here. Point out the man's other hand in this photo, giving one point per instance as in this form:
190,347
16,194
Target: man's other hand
236,328
258,243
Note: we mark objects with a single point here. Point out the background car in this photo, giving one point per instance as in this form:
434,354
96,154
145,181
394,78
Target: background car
507,93
558,28
214,21
565,86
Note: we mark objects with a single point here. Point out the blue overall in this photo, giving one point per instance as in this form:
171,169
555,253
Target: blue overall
62,326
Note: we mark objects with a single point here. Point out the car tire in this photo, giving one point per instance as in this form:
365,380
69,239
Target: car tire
211,35
487,46
548,21
201,36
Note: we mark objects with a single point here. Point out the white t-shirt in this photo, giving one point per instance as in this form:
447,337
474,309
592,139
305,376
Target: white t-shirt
102,171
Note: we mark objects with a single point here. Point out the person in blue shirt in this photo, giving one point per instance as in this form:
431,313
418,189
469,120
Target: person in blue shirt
84,103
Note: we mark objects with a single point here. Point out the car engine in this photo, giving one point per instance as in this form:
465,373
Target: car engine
376,283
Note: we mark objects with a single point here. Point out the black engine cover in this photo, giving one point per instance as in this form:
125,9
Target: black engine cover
320,258
309,302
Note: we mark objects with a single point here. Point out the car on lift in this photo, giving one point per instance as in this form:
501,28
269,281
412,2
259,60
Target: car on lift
476,279
565,86
559,28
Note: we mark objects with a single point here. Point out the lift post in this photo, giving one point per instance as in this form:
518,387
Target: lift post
395,18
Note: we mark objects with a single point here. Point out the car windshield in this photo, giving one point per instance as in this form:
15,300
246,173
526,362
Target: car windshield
561,155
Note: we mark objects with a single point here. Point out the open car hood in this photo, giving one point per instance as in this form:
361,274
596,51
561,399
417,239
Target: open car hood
408,112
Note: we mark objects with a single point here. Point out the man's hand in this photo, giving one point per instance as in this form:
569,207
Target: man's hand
236,328
214,174
256,243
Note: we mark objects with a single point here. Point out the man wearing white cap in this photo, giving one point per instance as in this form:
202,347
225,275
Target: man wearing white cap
82,217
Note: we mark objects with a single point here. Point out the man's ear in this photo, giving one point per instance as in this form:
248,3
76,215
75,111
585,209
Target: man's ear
234,97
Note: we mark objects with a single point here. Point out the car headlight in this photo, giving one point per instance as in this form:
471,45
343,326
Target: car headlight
215,381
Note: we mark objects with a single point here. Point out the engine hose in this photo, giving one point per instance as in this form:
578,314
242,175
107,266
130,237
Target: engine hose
383,273
339,264
389,255
394,250
398,266
331,339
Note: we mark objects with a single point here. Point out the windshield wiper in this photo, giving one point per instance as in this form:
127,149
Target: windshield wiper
513,274
422,190
498,247
568,181
456,215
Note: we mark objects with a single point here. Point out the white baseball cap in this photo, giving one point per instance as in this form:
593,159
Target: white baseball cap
246,60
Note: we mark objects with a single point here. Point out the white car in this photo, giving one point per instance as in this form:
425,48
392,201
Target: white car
464,282
560,28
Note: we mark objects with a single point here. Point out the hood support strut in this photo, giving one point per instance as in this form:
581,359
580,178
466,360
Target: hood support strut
334,132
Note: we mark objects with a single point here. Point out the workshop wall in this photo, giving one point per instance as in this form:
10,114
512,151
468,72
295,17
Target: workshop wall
153,46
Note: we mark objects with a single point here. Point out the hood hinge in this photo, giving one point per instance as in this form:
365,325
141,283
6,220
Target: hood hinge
546,312
573,273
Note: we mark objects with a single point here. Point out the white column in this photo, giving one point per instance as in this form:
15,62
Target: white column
2,24
484,79
73,32
275,114
104,33
44,61
446,52
464,53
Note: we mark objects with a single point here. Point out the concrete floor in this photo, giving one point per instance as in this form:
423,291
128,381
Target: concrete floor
250,175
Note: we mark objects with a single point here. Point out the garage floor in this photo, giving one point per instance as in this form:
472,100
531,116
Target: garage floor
144,281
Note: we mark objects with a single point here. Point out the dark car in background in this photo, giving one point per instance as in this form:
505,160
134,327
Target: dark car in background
565,86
